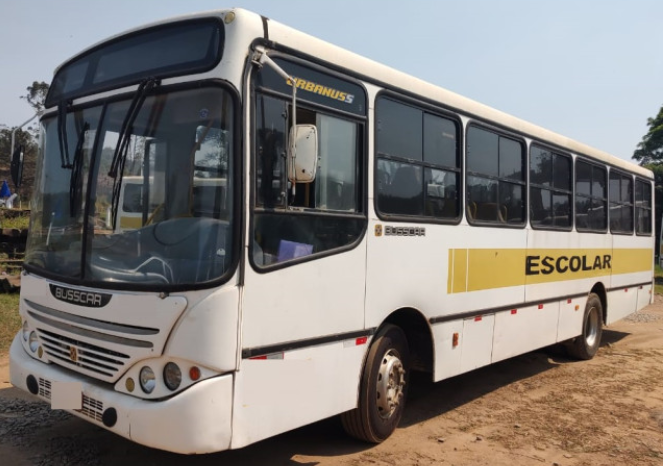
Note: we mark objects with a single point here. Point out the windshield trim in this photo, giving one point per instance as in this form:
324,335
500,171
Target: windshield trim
238,199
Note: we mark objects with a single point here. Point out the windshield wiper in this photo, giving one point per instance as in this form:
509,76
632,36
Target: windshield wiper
74,178
124,138
62,134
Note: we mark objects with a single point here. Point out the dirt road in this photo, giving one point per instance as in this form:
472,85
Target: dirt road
537,409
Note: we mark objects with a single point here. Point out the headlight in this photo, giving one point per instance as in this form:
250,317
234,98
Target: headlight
172,376
33,342
26,331
147,379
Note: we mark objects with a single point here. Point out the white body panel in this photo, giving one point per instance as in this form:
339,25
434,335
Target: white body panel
303,301
571,313
520,330
477,342
273,396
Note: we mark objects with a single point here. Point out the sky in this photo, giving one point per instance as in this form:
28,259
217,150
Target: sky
591,70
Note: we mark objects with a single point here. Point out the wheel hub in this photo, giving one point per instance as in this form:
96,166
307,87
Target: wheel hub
391,384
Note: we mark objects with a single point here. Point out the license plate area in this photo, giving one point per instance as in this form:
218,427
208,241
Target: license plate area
66,395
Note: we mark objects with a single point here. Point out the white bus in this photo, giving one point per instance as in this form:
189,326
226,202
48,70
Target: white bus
367,225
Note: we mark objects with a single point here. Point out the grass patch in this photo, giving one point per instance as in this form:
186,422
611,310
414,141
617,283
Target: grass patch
16,219
10,321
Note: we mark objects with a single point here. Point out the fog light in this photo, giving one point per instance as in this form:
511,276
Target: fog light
33,342
26,331
147,379
172,376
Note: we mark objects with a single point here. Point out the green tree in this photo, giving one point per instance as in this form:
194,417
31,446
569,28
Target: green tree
649,154
650,149
26,137
36,95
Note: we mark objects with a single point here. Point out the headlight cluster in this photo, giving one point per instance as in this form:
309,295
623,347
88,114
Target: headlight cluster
170,375
30,339
147,379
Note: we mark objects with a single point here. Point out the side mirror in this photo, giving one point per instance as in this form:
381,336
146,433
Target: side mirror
303,163
17,166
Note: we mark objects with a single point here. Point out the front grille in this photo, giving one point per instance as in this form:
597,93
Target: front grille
45,388
94,409
74,353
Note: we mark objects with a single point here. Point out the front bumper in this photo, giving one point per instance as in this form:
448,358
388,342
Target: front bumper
197,420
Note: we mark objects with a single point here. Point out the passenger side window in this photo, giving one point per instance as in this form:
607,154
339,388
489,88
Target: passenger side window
418,162
495,178
318,216
643,207
591,197
621,203
550,189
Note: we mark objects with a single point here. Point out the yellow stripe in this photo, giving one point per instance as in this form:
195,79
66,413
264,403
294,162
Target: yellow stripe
460,271
482,269
495,268
450,271
632,260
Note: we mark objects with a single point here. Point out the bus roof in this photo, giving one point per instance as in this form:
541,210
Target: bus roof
373,72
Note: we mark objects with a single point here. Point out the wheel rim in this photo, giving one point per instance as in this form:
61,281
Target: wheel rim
391,384
592,327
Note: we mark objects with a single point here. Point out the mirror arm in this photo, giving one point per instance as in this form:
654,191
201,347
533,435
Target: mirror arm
261,58
21,126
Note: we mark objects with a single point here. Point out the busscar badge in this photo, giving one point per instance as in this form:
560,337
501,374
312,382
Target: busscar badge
73,354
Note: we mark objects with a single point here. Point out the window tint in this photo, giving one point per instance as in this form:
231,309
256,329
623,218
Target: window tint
562,172
440,141
550,189
399,130
496,179
643,207
591,202
418,164
621,202
511,159
403,191
441,195
482,151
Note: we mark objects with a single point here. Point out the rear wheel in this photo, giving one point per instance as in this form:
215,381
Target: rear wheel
587,344
383,388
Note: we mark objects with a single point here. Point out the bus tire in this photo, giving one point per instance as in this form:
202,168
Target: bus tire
587,344
383,388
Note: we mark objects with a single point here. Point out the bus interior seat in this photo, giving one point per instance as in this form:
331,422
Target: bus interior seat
471,210
491,211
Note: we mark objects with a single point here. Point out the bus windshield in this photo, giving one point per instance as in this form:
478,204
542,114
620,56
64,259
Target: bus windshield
163,217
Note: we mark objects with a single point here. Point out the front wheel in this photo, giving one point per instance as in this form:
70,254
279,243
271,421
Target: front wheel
383,388
587,344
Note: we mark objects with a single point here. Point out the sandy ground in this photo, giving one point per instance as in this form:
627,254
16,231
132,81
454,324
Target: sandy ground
539,408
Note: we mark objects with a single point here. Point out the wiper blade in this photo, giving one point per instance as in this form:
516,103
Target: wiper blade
74,179
62,134
125,134
120,156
